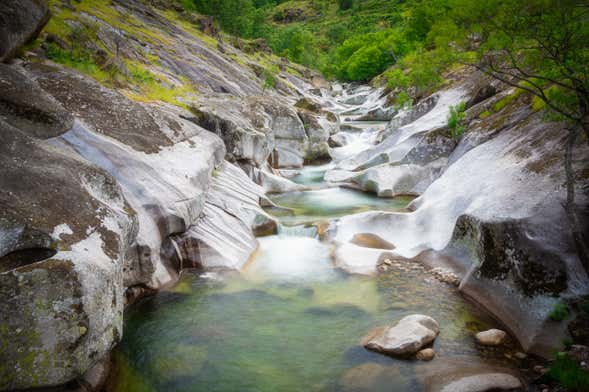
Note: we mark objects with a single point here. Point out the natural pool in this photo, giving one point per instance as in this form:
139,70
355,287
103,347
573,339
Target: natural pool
290,321
271,330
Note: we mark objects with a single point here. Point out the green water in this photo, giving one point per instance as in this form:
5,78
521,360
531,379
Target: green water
321,204
290,321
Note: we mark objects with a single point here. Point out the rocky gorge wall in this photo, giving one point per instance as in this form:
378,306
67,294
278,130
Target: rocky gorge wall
490,208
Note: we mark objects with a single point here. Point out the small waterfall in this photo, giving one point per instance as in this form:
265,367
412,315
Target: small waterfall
297,231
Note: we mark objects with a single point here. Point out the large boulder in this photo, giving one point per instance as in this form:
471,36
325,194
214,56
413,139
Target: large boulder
240,123
20,21
223,235
391,180
64,228
406,337
491,337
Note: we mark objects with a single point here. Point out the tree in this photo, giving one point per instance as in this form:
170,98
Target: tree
542,47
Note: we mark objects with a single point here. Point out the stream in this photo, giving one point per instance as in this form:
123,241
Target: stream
290,321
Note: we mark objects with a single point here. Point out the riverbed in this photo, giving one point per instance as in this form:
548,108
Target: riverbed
290,320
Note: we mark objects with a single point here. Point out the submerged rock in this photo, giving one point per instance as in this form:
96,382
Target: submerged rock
406,337
371,377
460,374
483,383
426,354
369,240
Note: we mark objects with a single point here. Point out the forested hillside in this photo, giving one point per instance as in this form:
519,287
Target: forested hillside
414,41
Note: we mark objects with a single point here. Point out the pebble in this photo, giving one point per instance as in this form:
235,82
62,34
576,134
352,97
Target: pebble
540,369
520,355
426,354
492,337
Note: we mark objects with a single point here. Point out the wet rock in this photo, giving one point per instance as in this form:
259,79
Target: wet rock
308,105
426,354
272,183
483,383
222,236
379,114
356,259
394,180
462,375
264,225
514,250
406,337
20,21
337,140
318,130
369,240
491,337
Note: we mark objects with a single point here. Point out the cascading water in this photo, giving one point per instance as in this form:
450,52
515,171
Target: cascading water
297,231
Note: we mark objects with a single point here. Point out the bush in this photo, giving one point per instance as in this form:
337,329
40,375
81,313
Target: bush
455,120
559,312
569,374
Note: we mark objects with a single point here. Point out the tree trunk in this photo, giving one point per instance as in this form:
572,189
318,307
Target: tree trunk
581,243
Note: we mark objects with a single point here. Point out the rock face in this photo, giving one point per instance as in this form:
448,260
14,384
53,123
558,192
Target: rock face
162,162
20,21
492,207
492,337
61,261
406,337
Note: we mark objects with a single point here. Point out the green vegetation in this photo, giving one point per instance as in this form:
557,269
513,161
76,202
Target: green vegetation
456,120
559,312
566,372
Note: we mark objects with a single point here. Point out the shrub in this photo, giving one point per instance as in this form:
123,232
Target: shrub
569,374
559,312
455,120
345,4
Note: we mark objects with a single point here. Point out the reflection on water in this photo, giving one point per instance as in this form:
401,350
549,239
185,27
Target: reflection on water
313,205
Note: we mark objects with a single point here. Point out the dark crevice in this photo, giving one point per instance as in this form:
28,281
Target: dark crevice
22,257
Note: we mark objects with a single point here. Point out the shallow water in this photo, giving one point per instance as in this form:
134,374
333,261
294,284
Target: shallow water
290,321
316,205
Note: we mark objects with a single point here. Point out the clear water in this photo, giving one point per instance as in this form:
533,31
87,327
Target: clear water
290,321
315,205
